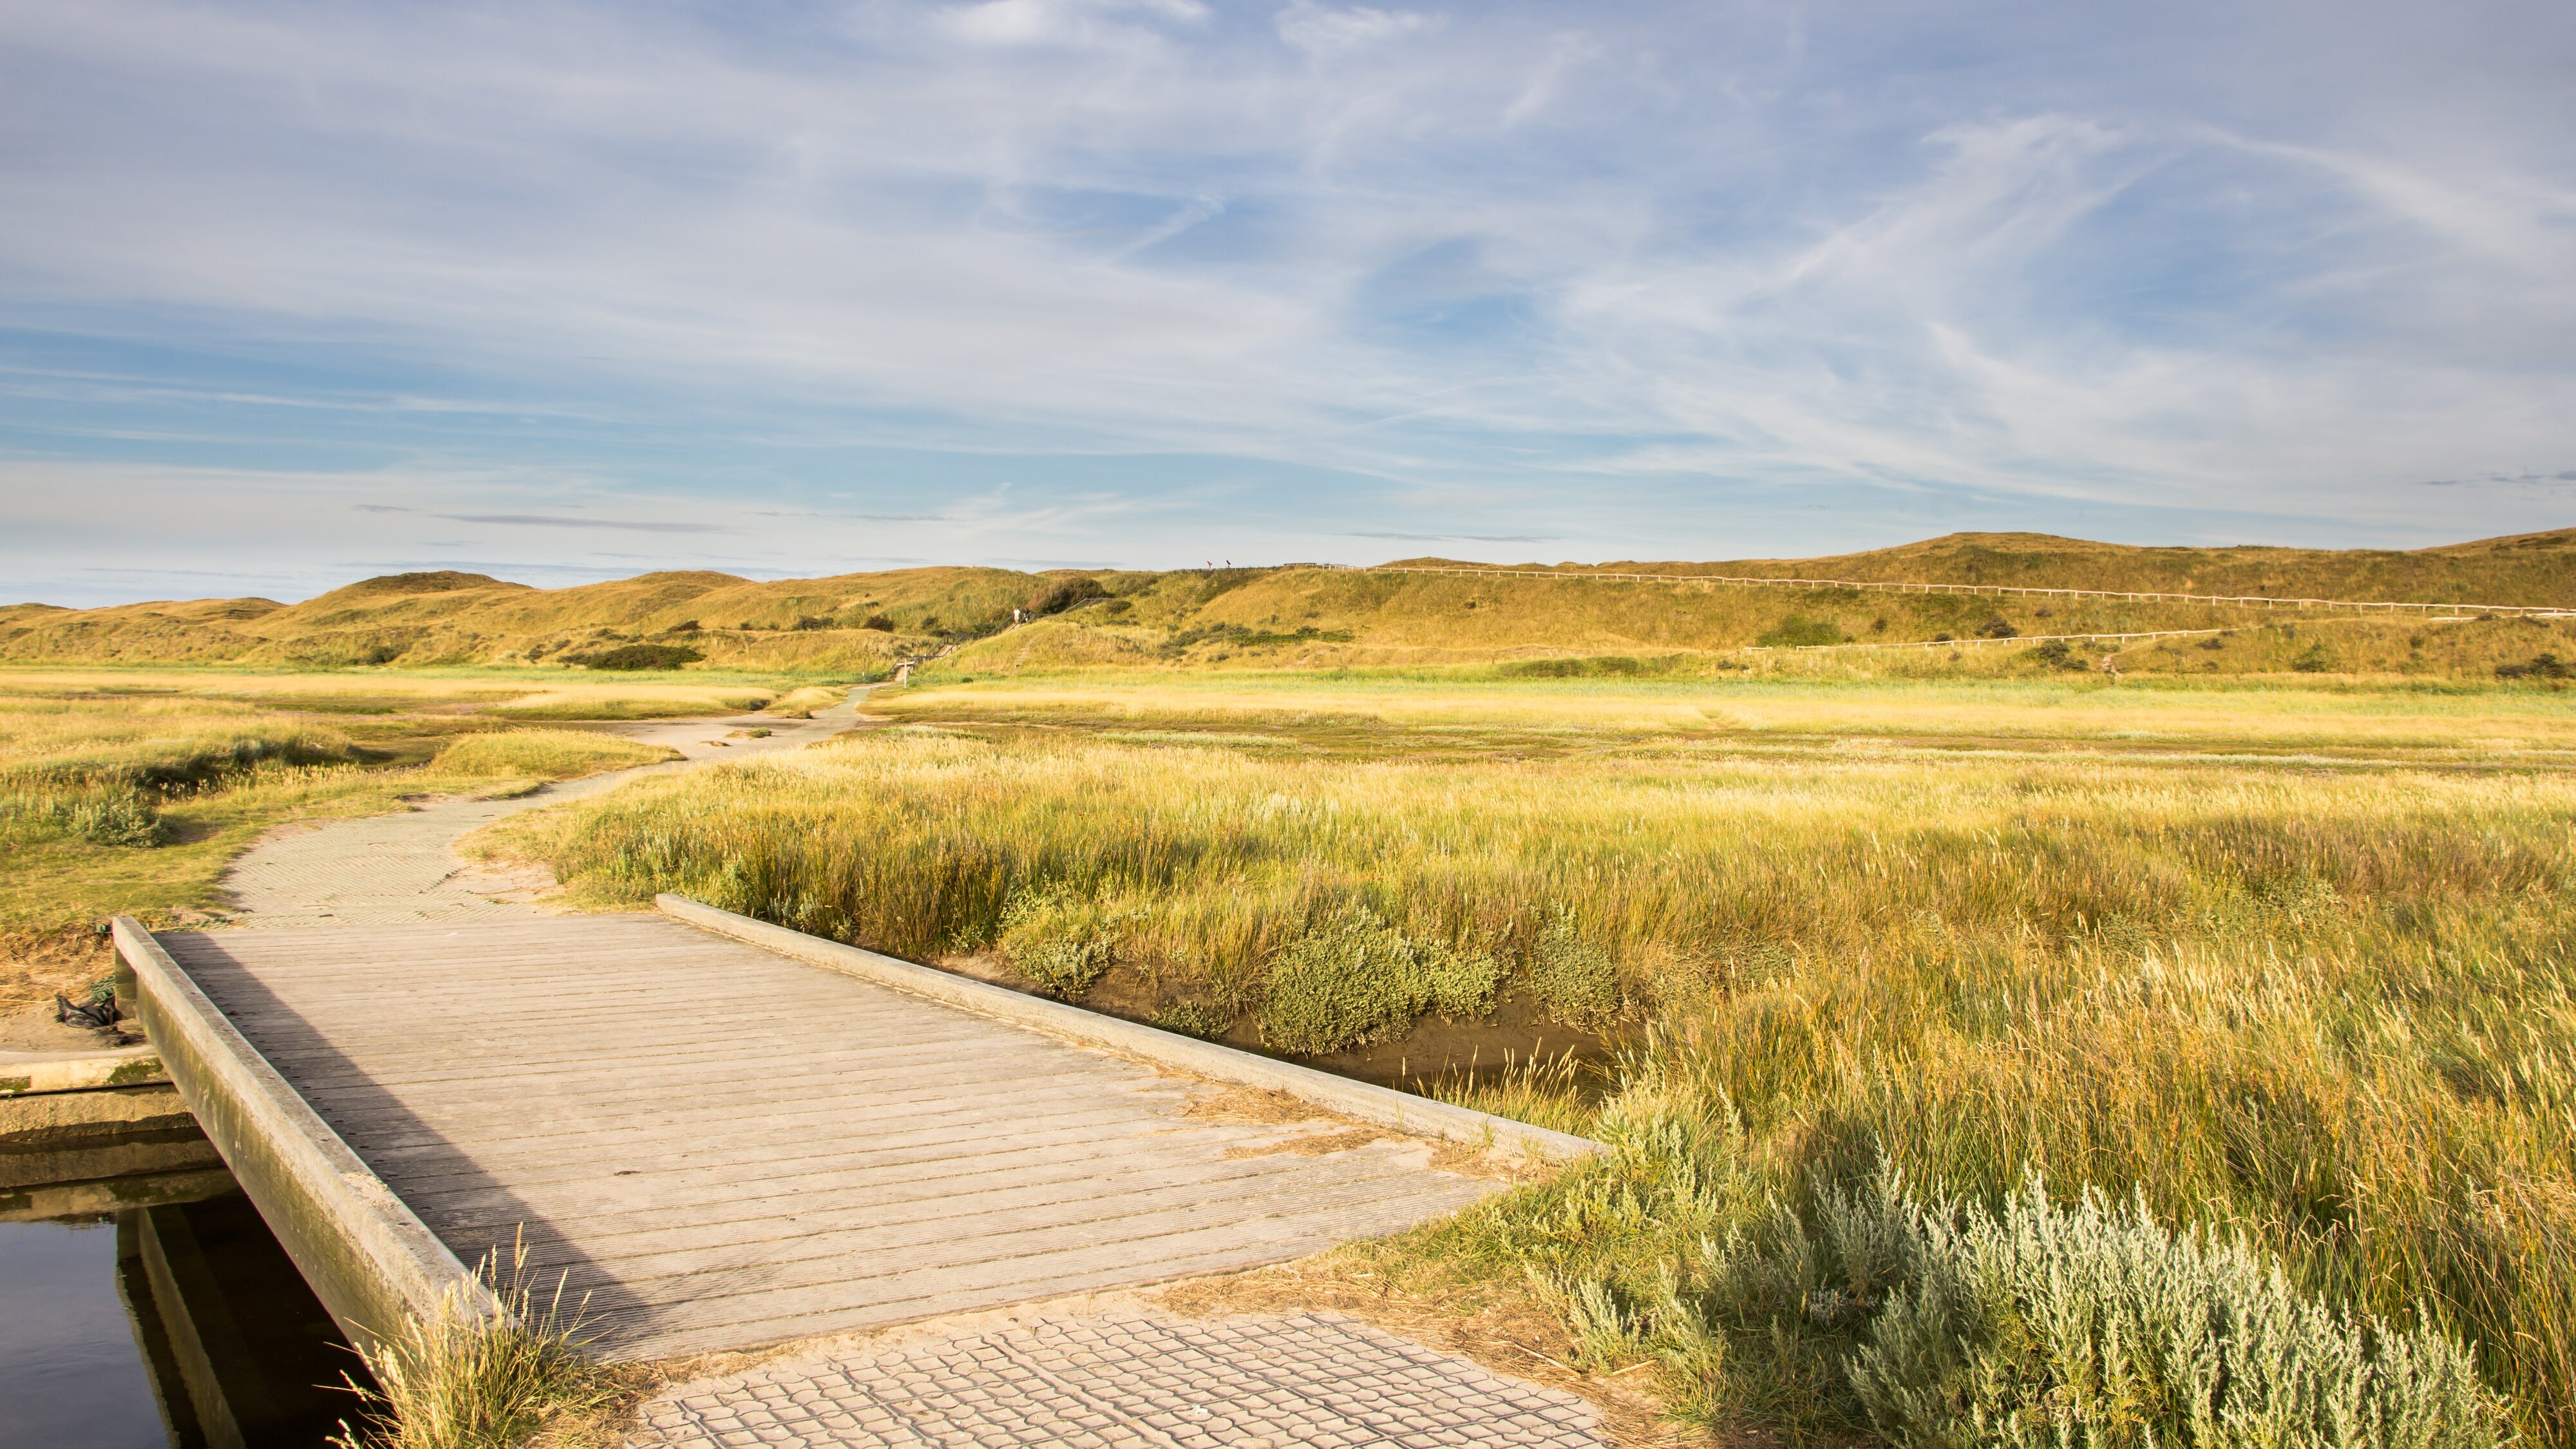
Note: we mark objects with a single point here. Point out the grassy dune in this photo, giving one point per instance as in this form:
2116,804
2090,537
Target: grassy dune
1528,628
811,625
2290,967
859,625
2521,568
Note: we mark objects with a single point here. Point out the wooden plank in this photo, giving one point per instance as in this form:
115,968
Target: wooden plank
725,1147
969,1233
394,1121
860,1285
819,1198
742,1298
639,1339
328,1069
383,1026
682,1189
1072,1124
992,1116
671,1066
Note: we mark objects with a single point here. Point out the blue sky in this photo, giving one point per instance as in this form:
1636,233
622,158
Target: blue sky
295,293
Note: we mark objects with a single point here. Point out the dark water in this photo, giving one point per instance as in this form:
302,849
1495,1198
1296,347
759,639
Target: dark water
176,1326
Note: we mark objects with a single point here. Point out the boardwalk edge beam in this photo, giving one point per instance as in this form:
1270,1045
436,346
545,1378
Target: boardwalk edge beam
1419,1116
374,1265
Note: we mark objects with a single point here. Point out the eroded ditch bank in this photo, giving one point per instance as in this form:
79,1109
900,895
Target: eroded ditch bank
1430,1055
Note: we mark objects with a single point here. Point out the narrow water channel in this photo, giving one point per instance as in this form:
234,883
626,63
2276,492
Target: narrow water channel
174,1323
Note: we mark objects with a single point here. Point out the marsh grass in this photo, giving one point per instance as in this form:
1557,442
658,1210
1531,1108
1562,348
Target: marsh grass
2326,1011
460,1379
510,692
1374,709
1306,619
96,773
1558,1091
539,754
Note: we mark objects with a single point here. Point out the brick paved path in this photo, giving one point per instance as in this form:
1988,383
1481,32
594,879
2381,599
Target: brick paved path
1140,1379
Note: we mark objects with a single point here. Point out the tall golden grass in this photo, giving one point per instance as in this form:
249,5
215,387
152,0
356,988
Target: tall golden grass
1408,708
2332,1011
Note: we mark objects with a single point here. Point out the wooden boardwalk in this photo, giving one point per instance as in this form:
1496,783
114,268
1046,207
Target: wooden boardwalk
721,1147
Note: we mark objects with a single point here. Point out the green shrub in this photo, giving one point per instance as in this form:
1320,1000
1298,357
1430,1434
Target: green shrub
2542,666
1189,1018
2053,654
1997,627
878,622
1800,630
1578,981
1357,979
1609,665
1061,941
638,656
2314,659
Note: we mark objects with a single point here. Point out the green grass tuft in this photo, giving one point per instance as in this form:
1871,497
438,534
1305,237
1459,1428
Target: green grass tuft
462,1380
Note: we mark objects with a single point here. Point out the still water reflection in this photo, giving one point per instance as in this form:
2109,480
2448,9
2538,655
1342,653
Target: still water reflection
180,1325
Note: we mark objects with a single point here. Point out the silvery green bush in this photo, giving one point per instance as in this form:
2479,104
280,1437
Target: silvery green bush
2089,1326
1061,941
2032,1325
1354,978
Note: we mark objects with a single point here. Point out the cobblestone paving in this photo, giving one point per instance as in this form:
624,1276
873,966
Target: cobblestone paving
1129,1379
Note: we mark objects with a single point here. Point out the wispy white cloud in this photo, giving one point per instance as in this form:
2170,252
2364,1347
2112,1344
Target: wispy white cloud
1324,29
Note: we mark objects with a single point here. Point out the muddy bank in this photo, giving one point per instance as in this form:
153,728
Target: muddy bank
1517,1031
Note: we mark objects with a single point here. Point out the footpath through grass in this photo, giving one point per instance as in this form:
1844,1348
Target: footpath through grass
129,791
1904,975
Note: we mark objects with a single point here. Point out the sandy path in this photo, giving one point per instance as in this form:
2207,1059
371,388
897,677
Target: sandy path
399,869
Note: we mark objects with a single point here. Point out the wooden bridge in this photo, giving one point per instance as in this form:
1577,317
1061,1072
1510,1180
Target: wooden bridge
722,1134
